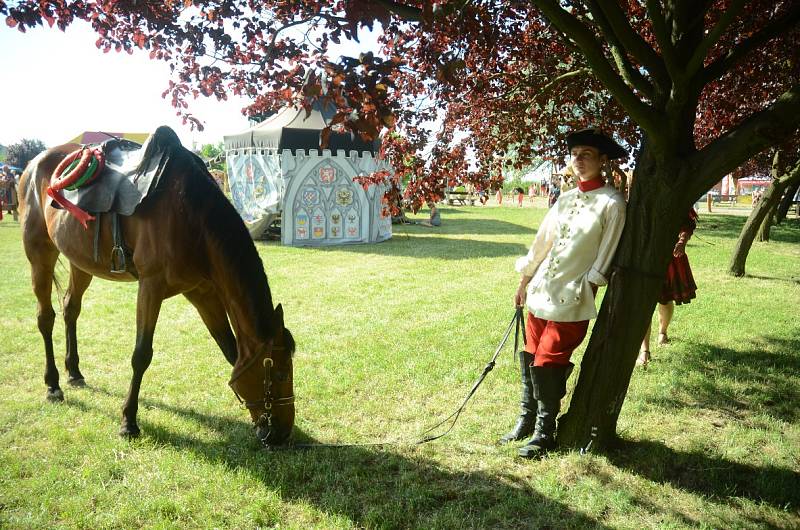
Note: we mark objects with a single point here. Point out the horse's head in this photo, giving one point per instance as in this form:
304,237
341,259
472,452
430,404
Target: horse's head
263,381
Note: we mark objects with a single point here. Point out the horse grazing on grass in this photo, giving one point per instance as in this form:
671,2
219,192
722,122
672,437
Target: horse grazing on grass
183,238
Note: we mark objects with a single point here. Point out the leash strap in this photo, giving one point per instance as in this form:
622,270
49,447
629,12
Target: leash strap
516,324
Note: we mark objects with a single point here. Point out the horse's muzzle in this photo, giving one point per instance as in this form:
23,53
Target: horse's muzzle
278,430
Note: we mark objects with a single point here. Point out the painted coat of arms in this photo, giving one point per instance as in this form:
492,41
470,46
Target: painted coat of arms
327,175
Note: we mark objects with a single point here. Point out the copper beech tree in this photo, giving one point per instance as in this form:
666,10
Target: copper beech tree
696,88
782,164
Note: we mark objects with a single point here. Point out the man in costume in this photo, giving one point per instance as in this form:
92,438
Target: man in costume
568,260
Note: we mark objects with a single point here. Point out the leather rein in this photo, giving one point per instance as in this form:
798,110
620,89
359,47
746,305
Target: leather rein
517,324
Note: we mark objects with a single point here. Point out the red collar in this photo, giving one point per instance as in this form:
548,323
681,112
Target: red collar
590,185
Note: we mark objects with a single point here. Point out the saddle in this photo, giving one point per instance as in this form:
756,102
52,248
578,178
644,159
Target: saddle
131,171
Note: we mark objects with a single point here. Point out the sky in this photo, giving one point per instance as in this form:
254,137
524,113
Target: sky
55,85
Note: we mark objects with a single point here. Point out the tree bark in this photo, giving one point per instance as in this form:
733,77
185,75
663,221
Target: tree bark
771,197
786,202
640,264
769,220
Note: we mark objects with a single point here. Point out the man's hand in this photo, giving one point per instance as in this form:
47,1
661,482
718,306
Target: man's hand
520,296
522,291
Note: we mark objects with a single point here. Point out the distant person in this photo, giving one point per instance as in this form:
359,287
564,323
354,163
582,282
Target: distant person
435,218
552,197
8,186
483,197
678,288
531,192
499,197
520,195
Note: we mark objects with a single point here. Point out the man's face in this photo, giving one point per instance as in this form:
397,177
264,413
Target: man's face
586,161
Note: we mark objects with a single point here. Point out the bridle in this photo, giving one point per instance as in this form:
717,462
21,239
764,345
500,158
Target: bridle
268,401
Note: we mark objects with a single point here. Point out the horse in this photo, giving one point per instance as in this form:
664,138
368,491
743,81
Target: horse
185,238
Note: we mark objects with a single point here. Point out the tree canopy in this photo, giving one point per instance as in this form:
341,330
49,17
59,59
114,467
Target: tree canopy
502,73
22,152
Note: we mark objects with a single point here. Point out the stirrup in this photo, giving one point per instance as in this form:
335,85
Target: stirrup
118,265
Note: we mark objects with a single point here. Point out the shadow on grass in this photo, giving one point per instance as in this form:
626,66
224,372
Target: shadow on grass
730,226
432,246
773,278
759,379
369,486
708,475
464,225
424,242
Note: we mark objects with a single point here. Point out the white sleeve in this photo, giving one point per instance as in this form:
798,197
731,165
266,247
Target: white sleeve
614,223
527,264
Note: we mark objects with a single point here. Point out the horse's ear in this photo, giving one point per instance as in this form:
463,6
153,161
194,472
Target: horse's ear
279,318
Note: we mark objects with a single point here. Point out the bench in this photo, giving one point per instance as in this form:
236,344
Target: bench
460,195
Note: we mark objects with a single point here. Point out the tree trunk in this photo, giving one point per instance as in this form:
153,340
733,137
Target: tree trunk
769,220
640,264
786,202
771,197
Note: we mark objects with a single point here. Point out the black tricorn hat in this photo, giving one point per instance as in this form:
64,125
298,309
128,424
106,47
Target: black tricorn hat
594,137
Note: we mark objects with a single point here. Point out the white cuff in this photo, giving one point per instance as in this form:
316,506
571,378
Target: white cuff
596,278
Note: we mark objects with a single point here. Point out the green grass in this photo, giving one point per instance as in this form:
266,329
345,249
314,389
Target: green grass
390,338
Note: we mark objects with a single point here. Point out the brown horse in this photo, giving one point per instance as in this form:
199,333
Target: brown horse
184,238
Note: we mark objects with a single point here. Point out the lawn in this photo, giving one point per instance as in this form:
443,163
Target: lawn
390,338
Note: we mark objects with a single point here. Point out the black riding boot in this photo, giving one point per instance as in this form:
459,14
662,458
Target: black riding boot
527,418
549,386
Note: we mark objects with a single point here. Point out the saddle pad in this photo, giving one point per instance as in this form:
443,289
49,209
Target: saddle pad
124,182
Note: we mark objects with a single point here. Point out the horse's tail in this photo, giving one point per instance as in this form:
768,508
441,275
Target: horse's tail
32,200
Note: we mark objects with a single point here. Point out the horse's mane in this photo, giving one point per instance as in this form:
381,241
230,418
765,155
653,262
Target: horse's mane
213,214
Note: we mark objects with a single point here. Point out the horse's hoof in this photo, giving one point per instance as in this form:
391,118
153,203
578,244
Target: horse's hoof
78,382
129,431
55,395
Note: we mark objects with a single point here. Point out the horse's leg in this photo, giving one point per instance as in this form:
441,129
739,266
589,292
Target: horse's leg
78,283
43,262
148,305
214,316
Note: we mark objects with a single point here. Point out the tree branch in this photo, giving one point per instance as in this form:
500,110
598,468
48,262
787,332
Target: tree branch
401,10
630,74
769,127
663,38
725,20
777,27
562,77
635,45
571,27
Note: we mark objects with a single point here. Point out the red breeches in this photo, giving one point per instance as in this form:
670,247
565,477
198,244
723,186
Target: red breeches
553,342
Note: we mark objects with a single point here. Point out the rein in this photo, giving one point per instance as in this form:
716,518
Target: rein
426,435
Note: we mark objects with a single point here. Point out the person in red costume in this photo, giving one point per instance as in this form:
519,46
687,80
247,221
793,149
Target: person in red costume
568,260
678,288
